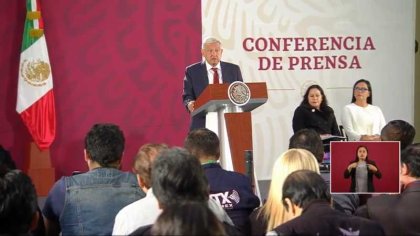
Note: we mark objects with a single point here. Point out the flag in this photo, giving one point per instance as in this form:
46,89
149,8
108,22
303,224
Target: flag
35,97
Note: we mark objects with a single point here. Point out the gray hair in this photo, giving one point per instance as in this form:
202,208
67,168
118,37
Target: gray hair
211,40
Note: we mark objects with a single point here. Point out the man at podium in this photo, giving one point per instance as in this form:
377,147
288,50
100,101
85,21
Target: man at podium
209,71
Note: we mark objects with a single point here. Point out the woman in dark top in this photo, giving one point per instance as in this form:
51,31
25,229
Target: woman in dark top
314,113
361,171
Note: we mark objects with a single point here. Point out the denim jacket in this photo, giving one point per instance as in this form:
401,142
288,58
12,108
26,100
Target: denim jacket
93,199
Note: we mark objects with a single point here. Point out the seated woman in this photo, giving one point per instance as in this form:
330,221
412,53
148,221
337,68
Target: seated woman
361,120
314,113
273,213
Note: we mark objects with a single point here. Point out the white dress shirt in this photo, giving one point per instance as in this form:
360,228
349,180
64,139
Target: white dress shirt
139,213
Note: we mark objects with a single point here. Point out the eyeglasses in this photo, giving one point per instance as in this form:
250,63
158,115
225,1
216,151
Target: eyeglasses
361,89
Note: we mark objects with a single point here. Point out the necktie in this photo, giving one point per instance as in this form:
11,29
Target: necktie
215,76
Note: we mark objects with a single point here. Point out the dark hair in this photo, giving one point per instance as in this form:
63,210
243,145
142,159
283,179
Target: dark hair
370,98
399,130
144,159
201,142
304,186
104,144
310,140
6,161
178,176
411,157
18,202
357,150
187,218
324,102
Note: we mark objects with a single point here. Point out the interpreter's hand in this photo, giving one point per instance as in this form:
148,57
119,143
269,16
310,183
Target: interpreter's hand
191,106
351,166
372,167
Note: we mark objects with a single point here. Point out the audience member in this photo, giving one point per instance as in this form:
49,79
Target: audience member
177,177
399,213
272,213
399,130
7,164
361,120
18,203
188,218
309,140
209,71
232,190
306,199
6,161
86,204
314,113
361,171
146,210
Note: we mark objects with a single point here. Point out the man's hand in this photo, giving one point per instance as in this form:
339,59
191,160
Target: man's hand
191,106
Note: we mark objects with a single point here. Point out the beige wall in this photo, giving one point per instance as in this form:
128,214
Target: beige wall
417,79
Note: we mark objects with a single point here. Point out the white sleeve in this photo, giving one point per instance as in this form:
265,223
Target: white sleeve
347,122
120,227
382,120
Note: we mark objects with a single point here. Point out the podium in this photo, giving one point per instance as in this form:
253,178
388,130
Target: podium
38,167
234,122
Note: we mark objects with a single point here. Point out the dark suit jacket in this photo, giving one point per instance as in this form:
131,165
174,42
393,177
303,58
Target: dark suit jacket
320,219
352,174
398,214
196,80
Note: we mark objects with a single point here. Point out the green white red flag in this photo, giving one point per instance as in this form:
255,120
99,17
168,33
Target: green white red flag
35,97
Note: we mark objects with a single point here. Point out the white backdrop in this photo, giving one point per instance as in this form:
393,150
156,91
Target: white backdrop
387,62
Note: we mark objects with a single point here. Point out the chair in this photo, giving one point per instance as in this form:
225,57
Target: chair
343,132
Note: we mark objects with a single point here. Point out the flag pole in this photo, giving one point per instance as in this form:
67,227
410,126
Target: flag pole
35,99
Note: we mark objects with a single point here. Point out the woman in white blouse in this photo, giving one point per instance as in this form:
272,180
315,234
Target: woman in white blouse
361,120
